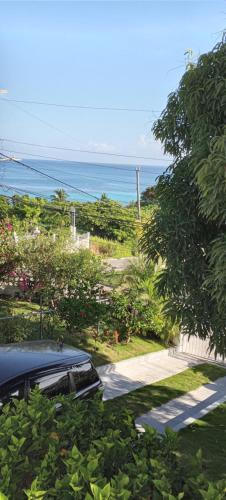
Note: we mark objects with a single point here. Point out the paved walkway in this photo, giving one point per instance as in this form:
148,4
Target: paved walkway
184,410
128,375
120,264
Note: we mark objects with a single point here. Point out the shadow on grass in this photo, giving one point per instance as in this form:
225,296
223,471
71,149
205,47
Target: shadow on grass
209,435
142,400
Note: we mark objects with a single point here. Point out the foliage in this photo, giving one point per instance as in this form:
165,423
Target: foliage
105,218
59,195
80,313
37,269
187,226
13,329
9,255
131,315
80,275
80,272
46,455
148,196
150,318
108,219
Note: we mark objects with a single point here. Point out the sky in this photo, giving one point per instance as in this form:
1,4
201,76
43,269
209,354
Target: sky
103,54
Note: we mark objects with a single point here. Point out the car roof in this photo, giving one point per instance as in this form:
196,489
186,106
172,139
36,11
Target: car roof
27,357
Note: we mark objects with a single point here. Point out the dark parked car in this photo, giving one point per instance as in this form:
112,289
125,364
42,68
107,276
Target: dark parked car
55,368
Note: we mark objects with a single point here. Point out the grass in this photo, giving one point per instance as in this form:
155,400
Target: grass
110,248
17,307
209,434
142,400
103,353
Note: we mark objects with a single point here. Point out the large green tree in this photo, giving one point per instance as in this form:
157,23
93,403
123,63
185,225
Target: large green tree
188,226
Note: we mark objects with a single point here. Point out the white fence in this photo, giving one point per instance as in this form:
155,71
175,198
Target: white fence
78,241
198,348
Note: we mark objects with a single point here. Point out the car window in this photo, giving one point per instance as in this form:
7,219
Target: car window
53,384
84,375
11,391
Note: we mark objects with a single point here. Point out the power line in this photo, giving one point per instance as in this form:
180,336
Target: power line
78,106
122,220
13,188
40,195
75,163
85,151
109,181
48,124
50,176
76,204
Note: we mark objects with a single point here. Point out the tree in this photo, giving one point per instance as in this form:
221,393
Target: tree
187,227
9,252
107,218
148,196
60,195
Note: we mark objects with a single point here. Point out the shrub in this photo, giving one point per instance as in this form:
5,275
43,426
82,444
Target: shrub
80,313
85,452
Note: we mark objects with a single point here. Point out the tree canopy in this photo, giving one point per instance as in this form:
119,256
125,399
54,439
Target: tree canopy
187,226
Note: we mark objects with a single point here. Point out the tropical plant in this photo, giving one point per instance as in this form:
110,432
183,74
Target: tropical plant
59,195
187,227
139,282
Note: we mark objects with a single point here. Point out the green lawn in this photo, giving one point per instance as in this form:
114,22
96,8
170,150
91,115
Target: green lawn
18,307
103,353
209,434
142,400
110,248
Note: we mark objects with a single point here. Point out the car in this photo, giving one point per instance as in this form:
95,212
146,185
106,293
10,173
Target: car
54,367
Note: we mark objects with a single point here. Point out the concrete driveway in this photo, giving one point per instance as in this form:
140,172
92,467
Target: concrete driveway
128,375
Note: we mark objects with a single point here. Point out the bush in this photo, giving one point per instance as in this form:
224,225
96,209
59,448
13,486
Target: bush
85,452
80,313
15,330
132,315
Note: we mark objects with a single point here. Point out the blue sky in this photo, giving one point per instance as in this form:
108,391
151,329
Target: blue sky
123,54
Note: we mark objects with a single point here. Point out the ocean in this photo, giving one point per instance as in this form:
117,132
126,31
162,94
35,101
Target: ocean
116,181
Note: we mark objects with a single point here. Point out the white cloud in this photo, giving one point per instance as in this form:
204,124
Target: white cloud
101,147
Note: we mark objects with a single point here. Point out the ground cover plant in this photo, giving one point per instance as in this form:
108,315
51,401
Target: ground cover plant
86,452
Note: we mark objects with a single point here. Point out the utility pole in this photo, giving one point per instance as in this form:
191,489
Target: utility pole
73,227
138,192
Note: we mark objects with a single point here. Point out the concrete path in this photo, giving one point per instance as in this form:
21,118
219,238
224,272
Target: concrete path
184,410
120,264
128,375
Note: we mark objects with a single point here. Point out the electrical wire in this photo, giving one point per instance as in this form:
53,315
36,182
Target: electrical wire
48,124
84,150
78,205
50,176
122,220
75,163
76,106
13,188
